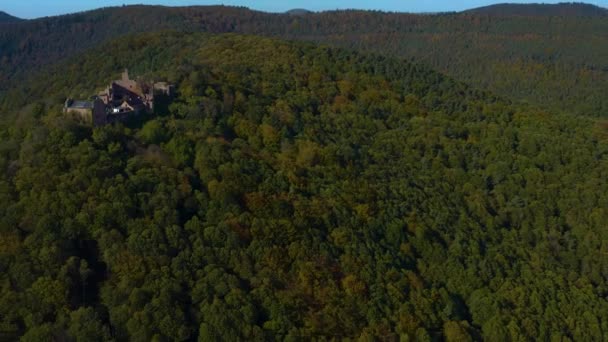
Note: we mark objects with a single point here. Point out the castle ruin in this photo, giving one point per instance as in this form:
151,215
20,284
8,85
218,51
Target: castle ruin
121,100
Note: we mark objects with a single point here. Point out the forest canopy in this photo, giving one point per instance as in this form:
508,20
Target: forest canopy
294,191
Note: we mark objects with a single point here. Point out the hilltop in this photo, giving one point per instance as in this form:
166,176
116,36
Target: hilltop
5,18
298,11
532,10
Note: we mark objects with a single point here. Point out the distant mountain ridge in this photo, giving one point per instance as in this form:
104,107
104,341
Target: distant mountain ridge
298,11
5,17
557,64
538,9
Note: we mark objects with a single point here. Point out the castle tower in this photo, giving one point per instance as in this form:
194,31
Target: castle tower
99,116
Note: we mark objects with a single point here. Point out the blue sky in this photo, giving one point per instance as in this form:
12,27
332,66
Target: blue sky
38,8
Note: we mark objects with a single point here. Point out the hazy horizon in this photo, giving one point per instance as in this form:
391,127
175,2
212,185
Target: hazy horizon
29,9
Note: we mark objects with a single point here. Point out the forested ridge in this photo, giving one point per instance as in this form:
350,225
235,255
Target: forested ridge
540,9
293,192
5,17
552,56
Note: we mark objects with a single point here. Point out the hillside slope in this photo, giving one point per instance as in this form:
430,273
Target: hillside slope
534,10
557,62
298,192
5,18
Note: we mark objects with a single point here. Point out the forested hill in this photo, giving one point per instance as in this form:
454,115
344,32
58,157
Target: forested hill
556,62
298,11
5,18
297,192
561,9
